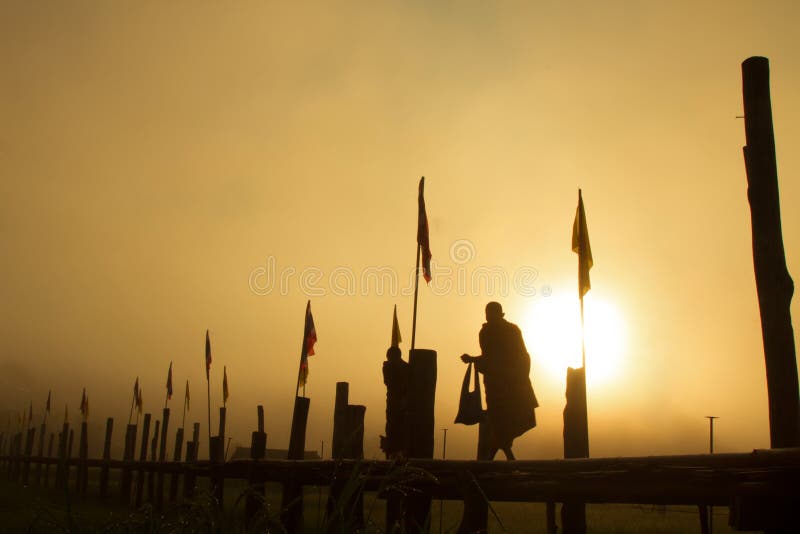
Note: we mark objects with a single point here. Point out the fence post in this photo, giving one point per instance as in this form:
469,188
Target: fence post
126,478
46,481
217,459
40,454
82,471
70,441
292,498
420,427
26,468
476,509
347,442
139,493
106,458
192,452
162,457
576,444
151,475
176,457
61,466
258,449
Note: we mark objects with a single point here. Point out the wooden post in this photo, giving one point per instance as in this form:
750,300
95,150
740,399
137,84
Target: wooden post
151,475
26,467
40,454
70,441
420,427
176,457
292,498
106,458
258,448
162,457
576,444
476,509
82,476
139,493
347,443
46,481
773,282
218,460
61,466
339,416
126,478
192,451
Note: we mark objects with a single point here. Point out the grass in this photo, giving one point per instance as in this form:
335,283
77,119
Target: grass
37,510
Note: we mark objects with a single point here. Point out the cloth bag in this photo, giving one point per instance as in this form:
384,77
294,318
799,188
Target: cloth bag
470,406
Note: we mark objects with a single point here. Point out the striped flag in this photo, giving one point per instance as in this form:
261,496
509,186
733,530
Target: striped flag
208,355
580,245
396,337
224,385
423,238
169,382
309,339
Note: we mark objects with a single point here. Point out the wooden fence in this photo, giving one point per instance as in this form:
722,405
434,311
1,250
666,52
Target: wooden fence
759,487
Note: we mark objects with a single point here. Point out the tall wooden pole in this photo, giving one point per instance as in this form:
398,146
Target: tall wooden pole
773,282
416,291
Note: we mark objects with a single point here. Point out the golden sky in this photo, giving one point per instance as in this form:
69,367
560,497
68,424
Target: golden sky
156,159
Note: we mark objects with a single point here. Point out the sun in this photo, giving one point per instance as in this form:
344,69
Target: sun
552,331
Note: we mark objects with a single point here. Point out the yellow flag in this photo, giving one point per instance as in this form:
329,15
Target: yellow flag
580,245
396,337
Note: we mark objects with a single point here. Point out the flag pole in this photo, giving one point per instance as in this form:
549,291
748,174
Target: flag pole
133,403
183,421
416,291
208,388
583,339
300,366
208,396
416,277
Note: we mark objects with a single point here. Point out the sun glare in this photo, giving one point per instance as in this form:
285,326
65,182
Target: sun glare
552,330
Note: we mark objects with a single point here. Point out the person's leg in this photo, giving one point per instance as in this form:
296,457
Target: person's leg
509,453
493,452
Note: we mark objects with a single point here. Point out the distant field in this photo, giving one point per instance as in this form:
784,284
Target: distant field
25,509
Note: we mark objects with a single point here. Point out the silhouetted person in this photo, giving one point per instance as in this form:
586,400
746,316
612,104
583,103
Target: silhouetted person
395,376
506,366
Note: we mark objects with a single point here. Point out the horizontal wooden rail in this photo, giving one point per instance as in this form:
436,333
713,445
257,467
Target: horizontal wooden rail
691,479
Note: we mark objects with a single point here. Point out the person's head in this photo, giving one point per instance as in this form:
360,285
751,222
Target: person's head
393,354
494,312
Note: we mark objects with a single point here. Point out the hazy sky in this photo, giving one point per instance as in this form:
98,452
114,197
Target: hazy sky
158,160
